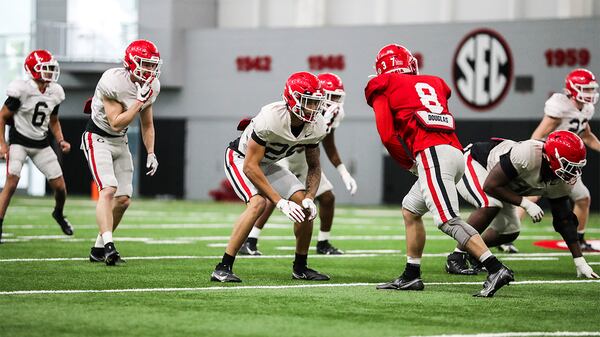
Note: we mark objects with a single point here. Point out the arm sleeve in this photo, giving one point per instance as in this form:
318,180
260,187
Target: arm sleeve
447,89
257,139
55,110
553,108
389,138
13,104
106,87
507,166
260,129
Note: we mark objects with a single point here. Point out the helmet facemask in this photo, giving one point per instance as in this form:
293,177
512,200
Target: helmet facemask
308,106
586,93
146,68
49,71
567,170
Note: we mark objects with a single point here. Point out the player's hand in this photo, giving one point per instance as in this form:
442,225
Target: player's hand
310,206
4,151
144,91
584,269
151,164
65,147
291,209
535,212
347,178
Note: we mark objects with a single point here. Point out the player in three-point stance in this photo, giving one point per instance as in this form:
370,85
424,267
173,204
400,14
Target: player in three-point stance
121,95
279,129
417,129
33,107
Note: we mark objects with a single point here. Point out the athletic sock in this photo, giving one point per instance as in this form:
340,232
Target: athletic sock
58,212
254,233
99,242
227,261
323,236
492,264
252,241
300,261
456,250
580,236
413,260
107,237
411,271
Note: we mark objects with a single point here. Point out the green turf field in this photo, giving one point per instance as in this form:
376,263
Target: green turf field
172,247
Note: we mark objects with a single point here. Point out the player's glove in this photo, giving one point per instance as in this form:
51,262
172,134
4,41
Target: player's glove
347,178
144,91
291,209
309,205
535,212
584,269
151,164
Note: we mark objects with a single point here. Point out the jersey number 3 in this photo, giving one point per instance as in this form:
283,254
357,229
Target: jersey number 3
433,119
39,116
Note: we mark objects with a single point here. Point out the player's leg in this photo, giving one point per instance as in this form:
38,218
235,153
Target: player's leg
413,208
123,166
326,199
250,247
581,199
14,163
47,162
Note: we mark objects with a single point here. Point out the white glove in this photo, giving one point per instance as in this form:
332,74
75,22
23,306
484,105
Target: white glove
535,212
309,204
144,91
291,209
347,178
152,164
584,269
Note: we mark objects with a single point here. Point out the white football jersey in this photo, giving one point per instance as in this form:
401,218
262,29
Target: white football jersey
116,84
32,117
333,116
526,158
571,119
271,128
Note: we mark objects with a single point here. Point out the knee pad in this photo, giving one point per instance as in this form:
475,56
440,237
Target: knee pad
459,230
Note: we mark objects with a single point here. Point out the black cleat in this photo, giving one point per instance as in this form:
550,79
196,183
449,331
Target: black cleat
586,247
402,284
64,224
508,248
456,263
224,274
325,248
476,265
496,281
111,256
309,275
249,248
97,254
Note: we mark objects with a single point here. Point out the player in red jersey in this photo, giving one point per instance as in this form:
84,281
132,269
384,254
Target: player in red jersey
413,121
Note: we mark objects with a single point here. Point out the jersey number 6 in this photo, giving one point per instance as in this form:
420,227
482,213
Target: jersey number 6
39,116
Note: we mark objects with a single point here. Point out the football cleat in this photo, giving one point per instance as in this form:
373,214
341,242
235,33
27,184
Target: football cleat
508,248
224,274
496,281
64,224
586,247
402,284
249,248
476,265
309,275
325,248
456,263
97,254
111,256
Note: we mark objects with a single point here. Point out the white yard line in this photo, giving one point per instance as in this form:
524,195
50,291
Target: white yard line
524,334
237,288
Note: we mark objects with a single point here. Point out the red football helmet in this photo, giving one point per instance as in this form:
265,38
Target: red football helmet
142,59
566,153
41,65
332,87
581,84
396,58
303,95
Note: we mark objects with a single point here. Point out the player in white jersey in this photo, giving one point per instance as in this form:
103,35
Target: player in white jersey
500,174
333,89
572,110
33,106
279,129
121,94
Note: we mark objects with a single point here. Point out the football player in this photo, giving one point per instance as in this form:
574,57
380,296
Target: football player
120,96
499,175
333,89
32,105
416,127
571,111
279,129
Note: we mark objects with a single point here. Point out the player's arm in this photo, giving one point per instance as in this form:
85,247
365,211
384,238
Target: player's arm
547,125
254,154
117,118
385,128
313,177
5,115
147,124
334,158
56,130
590,139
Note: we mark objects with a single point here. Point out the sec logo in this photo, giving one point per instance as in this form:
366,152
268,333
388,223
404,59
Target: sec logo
482,69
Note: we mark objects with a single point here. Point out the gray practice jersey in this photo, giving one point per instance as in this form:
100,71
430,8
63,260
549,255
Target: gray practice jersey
33,115
526,159
561,107
272,129
116,84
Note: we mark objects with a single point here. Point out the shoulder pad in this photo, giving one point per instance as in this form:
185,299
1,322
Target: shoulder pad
16,88
376,85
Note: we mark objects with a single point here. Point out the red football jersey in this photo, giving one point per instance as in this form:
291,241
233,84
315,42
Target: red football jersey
413,108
